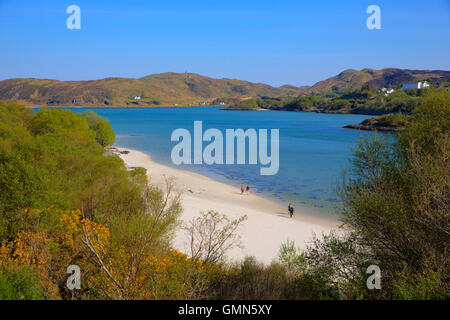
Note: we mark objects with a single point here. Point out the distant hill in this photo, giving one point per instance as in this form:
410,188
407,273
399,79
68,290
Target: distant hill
354,80
190,89
158,89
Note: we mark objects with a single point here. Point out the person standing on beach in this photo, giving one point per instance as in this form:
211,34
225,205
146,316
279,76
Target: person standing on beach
242,189
248,189
291,210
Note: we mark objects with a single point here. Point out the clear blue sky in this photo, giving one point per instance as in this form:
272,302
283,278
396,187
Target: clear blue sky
276,42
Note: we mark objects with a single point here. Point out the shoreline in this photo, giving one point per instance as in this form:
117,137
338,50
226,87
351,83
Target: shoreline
268,224
224,108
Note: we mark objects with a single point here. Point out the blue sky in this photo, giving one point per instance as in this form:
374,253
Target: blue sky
276,42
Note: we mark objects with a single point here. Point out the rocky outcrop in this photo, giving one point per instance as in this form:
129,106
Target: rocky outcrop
381,124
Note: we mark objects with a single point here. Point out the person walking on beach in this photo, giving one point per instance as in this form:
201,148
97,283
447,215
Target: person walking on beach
291,210
248,189
242,189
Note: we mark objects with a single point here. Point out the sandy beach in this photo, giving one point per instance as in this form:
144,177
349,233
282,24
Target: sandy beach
268,224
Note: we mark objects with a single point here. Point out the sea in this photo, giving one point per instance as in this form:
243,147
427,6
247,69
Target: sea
314,149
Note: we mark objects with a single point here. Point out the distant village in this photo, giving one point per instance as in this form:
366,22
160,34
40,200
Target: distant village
199,103
407,86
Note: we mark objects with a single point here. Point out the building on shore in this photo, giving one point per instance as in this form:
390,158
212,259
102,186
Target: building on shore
387,91
416,85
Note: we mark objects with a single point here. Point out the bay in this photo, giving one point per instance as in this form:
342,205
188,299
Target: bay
314,149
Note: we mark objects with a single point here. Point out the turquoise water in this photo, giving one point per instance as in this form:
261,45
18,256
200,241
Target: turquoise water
314,149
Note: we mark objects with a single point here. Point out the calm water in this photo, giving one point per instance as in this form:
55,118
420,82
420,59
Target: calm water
314,149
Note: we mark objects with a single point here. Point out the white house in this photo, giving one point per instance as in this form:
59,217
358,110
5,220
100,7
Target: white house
387,91
137,98
417,85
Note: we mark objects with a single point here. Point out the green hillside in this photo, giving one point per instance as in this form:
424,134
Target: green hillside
169,89
354,80
154,90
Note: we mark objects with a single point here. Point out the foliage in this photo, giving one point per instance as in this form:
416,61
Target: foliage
19,283
104,133
64,202
396,213
366,100
212,235
397,202
291,258
250,280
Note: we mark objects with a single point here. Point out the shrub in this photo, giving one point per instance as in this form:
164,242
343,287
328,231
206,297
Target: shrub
104,133
19,283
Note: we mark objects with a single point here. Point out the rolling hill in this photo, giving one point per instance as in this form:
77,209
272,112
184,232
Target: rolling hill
157,89
168,89
353,79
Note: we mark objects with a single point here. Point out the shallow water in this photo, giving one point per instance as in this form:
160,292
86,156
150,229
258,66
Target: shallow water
314,149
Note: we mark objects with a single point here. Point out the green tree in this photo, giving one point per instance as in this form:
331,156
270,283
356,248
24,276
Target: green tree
397,202
104,133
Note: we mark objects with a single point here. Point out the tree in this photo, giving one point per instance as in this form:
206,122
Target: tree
138,237
104,133
50,164
396,209
397,202
212,235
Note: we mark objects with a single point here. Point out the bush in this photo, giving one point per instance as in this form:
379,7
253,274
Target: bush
250,280
50,165
19,283
397,202
104,133
396,211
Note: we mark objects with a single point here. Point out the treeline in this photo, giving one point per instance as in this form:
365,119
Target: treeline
367,100
64,200
396,214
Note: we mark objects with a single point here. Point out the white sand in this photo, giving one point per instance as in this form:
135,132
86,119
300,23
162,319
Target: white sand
268,224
